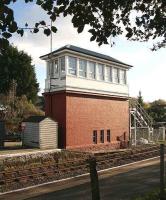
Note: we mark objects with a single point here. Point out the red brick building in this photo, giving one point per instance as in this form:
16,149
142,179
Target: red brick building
87,94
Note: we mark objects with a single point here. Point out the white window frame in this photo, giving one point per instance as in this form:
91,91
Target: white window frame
122,77
90,74
62,73
51,69
100,76
116,79
56,68
81,70
108,76
71,68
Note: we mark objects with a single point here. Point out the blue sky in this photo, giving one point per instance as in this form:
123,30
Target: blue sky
147,75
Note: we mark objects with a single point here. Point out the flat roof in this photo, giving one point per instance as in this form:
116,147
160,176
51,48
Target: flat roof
86,52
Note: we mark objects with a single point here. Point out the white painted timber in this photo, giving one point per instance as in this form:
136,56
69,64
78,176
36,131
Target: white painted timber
85,84
31,134
43,134
93,86
48,134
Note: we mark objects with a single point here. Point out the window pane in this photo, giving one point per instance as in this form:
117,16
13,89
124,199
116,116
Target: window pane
92,66
56,67
48,69
115,75
82,67
100,68
102,136
72,65
95,137
108,73
108,136
122,76
62,64
51,69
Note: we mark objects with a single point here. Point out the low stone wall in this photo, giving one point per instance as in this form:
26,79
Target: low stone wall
28,170
112,159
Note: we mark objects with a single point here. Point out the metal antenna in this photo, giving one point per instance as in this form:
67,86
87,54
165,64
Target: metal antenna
51,71
51,39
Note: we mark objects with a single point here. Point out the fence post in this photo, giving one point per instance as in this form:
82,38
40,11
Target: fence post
162,183
94,179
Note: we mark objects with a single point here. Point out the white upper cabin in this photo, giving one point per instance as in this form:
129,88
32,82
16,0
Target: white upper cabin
79,70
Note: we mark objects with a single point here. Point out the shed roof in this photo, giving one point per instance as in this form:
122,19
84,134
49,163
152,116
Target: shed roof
36,119
87,52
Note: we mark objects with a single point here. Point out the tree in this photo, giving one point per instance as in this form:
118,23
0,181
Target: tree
138,20
16,65
157,110
140,99
14,112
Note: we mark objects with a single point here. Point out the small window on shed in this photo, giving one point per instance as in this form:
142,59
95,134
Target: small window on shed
102,136
95,137
108,136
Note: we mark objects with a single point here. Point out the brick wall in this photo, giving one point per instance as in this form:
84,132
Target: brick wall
78,115
86,113
57,111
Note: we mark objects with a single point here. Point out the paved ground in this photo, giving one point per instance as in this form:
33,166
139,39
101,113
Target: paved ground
122,183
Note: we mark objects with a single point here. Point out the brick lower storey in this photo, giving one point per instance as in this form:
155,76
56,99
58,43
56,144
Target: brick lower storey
79,115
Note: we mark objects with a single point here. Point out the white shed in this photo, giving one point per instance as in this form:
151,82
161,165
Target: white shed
40,132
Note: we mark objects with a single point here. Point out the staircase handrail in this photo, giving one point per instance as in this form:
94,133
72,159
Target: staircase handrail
139,108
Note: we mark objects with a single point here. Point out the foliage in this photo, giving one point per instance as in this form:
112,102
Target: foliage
16,65
140,99
18,110
138,20
157,110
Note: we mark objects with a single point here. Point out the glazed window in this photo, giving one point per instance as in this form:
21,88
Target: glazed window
51,69
108,136
62,65
72,66
102,136
82,67
122,76
115,75
92,70
108,73
100,71
56,69
94,137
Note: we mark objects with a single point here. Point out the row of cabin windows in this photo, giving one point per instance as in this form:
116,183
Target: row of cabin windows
55,68
102,135
96,71
87,69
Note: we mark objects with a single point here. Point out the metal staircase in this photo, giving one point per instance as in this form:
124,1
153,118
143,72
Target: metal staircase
139,120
